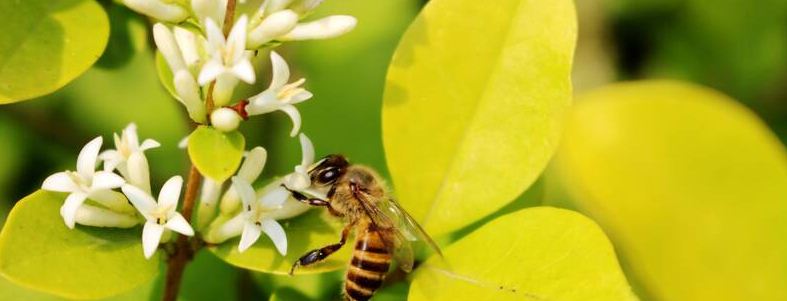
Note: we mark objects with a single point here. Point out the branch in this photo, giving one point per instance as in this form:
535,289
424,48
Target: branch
183,251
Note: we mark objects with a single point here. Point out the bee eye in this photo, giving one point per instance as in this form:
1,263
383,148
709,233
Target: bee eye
329,175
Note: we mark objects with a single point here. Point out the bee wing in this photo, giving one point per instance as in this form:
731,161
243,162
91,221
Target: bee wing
406,224
395,241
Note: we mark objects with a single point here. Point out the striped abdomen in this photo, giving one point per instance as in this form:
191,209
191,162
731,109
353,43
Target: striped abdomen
369,264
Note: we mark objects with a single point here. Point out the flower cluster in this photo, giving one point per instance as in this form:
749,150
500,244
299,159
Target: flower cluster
206,67
93,199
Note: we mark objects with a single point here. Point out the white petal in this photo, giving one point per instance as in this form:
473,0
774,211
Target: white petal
69,209
184,143
213,9
166,44
307,150
179,224
59,182
170,192
189,93
275,197
210,192
272,27
210,71
141,200
106,180
111,158
158,9
276,233
262,103
297,181
99,217
295,116
244,71
325,28
139,171
215,36
151,237
301,97
236,40
276,5
86,162
131,137
251,233
245,191
149,144
253,164
305,6
281,71
217,234
187,42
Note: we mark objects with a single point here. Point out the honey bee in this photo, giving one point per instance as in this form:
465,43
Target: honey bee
383,230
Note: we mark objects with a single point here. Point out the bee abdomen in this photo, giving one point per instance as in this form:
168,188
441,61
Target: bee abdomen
370,262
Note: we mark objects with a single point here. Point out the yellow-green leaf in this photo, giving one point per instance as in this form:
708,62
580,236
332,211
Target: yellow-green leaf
38,251
311,230
473,105
540,253
216,154
46,44
690,186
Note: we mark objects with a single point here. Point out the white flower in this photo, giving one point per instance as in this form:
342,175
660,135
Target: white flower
325,28
89,215
126,145
280,95
228,56
189,95
158,9
300,180
160,215
85,183
168,46
256,215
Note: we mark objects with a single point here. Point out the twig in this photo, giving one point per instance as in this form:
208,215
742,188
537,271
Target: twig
183,250
184,247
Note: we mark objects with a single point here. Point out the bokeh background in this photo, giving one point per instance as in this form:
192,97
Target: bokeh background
735,46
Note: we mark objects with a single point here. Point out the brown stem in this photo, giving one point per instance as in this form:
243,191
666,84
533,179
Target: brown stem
183,250
229,17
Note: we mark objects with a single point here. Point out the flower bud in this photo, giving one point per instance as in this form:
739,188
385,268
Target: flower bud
99,217
188,90
213,9
225,119
325,28
158,9
272,27
165,42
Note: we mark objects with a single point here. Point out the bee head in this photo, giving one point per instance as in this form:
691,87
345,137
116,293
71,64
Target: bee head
328,170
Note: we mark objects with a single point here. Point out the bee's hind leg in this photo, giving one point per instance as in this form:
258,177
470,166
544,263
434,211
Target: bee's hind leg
317,255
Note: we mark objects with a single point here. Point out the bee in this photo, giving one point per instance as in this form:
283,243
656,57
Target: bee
383,230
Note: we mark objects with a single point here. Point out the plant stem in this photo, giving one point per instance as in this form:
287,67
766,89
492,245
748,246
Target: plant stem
183,250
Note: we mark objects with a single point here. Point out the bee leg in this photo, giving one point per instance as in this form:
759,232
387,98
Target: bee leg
317,255
312,201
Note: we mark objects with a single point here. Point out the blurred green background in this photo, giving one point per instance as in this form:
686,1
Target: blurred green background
735,46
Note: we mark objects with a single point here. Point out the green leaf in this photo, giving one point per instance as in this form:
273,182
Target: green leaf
47,44
690,186
540,253
473,105
311,230
216,154
10,291
38,251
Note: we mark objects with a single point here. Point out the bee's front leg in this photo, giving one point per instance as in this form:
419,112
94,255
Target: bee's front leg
317,255
312,201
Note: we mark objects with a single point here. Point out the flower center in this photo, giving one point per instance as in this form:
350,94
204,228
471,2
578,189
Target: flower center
161,214
289,90
82,183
